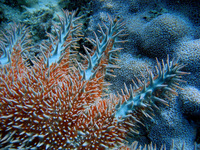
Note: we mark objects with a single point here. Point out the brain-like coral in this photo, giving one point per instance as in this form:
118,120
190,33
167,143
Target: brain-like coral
189,52
159,34
190,100
131,68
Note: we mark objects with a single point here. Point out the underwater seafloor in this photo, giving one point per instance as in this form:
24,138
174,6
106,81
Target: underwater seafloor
155,28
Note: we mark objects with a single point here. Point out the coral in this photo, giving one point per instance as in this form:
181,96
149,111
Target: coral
189,52
172,124
163,30
60,102
187,9
190,100
135,144
39,21
130,68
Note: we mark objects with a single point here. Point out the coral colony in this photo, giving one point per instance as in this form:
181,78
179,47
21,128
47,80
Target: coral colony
60,102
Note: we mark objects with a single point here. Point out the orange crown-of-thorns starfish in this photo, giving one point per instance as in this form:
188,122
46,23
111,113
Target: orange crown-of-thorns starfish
58,102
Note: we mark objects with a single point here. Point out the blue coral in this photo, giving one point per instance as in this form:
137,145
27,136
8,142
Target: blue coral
159,34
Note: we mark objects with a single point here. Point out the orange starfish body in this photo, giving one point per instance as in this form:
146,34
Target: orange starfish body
50,105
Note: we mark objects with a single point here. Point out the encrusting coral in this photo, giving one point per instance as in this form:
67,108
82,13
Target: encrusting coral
60,103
